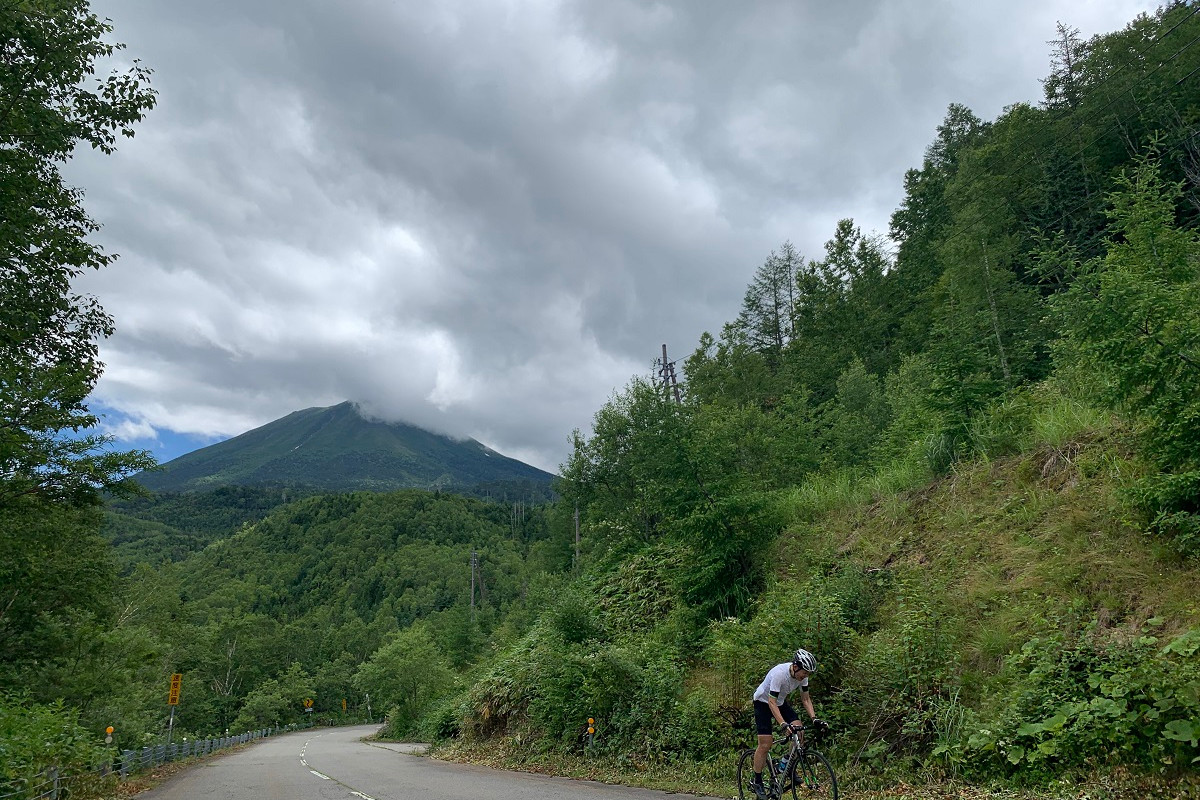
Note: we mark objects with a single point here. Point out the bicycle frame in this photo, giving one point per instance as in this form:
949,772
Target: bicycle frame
781,782
808,773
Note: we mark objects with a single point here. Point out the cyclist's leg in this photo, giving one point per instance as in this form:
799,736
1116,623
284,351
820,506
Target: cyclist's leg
763,723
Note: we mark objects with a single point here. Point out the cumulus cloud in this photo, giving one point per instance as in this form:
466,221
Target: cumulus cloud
482,218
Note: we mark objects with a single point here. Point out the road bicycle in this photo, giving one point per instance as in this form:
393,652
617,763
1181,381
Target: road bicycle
792,766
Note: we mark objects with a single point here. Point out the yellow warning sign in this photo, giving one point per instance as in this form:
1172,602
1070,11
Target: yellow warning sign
173,695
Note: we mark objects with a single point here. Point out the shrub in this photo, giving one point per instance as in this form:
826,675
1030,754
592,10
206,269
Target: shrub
34,737
1085,702
790,615
695,728
906,677
444,720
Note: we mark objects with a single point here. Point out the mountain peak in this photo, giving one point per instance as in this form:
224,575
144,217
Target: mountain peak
338,448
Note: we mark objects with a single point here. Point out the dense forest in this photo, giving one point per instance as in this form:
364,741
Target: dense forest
960,462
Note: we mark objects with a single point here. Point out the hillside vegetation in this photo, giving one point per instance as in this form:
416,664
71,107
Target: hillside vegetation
964,474
1008,620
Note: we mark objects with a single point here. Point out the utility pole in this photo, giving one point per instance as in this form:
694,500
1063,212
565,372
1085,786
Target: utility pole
668,375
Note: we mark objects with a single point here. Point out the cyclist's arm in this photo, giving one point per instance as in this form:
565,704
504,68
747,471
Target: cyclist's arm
774,706
806,701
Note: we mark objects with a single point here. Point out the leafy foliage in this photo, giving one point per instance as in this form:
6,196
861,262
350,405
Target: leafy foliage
34,737
57,584
48,334
1083,701
1135,315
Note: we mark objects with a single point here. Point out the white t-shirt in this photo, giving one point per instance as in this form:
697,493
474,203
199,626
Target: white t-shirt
779,681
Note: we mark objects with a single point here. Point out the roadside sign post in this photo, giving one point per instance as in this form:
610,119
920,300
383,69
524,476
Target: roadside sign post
172,701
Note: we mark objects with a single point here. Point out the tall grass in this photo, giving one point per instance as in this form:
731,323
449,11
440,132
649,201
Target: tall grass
825,492
1058,420
1046,416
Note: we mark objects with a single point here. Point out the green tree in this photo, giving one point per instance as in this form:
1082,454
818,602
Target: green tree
407,675
55,573
769,306
919,225
277,701
48,334
912,419
730,370
51,467
1135,316
854,418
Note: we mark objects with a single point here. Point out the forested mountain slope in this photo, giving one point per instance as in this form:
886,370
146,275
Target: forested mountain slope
337,449
962,466
167,526
316,587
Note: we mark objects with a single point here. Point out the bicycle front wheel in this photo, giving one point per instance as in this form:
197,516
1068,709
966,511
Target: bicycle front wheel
813,778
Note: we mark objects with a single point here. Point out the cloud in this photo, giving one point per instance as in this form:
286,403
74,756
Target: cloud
484,217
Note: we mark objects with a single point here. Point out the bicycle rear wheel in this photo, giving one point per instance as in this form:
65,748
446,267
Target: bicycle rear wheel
813,778
745,777
745,774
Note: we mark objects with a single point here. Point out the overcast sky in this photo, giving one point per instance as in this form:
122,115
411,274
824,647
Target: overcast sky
485,217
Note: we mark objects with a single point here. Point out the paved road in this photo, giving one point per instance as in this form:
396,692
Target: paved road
335,764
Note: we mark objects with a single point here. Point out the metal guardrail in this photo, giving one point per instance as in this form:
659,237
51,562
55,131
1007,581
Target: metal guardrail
148,757
50,785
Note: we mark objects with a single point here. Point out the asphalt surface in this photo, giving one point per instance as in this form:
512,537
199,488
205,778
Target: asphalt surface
337,764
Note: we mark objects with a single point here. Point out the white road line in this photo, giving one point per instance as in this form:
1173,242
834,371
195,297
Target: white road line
326,777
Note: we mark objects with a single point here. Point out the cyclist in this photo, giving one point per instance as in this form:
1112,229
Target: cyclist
771,705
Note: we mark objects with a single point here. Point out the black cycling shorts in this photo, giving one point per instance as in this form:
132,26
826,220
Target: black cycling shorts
764,722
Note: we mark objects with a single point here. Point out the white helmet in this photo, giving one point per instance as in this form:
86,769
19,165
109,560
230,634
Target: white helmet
805,660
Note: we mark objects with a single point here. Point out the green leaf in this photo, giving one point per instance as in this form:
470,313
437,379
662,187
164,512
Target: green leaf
1031,729
1183,730
1048,747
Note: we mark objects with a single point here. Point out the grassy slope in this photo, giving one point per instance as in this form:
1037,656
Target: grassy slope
1002,541
997,546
